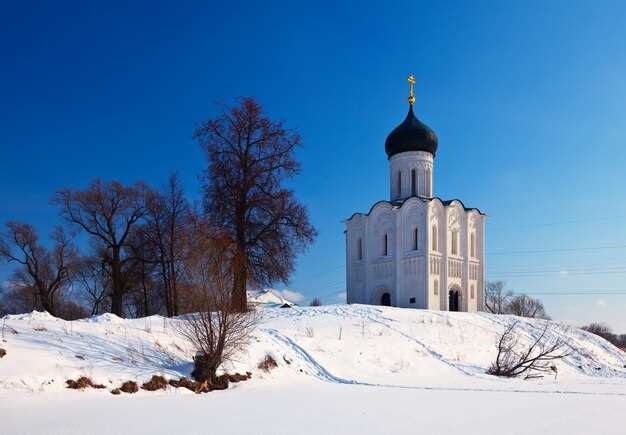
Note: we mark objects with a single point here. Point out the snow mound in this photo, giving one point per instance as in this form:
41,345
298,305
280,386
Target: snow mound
104,318
42,316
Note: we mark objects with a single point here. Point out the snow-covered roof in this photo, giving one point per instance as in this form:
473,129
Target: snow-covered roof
268,298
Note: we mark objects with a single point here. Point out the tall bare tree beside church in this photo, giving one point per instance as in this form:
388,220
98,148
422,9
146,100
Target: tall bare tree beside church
249,158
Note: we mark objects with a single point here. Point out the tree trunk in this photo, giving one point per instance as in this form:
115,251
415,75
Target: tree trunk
117,294
240,278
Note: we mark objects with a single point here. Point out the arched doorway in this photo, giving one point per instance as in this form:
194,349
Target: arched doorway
385,300
453,300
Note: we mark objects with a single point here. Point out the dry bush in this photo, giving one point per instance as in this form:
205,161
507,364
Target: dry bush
268,363
315,302
155,383
82,383
237,377
116,391
184,383
129,387
514,359
2,352
219,331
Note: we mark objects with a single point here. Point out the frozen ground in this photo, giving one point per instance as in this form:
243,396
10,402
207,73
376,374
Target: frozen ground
342,369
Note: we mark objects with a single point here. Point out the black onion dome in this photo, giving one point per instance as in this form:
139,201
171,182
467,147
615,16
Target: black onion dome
411,135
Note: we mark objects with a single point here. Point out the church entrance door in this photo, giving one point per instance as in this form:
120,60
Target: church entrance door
385,300
453,301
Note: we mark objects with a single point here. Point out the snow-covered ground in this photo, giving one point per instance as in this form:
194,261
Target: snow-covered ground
342,369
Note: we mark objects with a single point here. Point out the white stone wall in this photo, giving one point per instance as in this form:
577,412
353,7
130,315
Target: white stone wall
406,273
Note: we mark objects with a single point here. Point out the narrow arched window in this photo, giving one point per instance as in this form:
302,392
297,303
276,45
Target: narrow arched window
455,242
436,287
434,237
385,245
473,245
413,183
399,184
415,239
360,249
472,292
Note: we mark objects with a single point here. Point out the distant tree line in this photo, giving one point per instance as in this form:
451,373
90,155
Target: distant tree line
140,245
605,332
498,300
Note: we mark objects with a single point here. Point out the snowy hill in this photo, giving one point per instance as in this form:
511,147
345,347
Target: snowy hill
338,346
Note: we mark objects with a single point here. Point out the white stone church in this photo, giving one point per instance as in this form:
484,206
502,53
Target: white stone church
416,250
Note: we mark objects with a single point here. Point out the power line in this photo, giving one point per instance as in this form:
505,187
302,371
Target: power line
541,251
562,269
579,293
563,222
560,274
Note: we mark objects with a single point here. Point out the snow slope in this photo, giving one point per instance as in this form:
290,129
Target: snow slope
403,359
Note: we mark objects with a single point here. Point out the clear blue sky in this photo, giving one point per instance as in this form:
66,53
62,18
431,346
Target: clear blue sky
527,100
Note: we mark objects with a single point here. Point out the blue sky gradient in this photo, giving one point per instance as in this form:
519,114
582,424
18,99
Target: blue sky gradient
527,99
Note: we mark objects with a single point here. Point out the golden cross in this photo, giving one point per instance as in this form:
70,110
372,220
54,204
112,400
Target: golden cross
411,80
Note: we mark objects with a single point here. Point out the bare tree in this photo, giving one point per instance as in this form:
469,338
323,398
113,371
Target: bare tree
249,158
526,306
42,274
167,232
108,213
514,359
218,331
92,278
497,298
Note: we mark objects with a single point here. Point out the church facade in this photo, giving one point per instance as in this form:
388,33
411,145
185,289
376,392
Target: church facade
416,250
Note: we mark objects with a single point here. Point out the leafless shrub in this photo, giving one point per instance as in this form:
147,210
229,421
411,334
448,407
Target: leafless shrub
219,331
309,332
315,302
129,387
155,383
183,383
2,353
268,363
82,383
514,359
